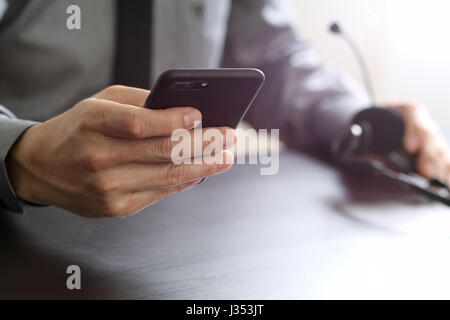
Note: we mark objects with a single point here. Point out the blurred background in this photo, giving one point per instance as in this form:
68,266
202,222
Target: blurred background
405,43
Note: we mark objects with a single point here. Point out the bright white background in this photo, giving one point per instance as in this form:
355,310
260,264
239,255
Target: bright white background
406,44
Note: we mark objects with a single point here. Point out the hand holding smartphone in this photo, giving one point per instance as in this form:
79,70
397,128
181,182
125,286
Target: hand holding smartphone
223,96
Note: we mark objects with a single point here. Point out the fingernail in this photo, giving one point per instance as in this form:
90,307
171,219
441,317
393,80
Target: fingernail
228,160
191,117
230,137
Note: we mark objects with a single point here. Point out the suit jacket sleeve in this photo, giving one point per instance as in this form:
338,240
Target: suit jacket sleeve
11,129
307,100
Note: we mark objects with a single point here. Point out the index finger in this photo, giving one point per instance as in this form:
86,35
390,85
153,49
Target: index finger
126,121
124,95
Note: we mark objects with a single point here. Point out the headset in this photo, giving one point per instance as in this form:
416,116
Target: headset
380,132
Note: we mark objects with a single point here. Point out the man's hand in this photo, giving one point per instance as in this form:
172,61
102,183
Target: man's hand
107,157
424,139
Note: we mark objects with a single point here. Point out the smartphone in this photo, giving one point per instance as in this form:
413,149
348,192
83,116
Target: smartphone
223,96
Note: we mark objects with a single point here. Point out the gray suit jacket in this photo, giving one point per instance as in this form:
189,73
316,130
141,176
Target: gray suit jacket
46,68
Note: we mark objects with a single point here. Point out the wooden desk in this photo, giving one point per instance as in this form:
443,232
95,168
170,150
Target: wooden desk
308,232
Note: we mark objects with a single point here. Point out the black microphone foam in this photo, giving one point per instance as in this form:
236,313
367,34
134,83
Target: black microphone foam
334,27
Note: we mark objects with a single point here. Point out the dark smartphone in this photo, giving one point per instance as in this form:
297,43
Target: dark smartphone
223,96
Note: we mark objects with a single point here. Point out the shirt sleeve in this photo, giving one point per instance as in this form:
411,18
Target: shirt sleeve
307,100
11,129
3,7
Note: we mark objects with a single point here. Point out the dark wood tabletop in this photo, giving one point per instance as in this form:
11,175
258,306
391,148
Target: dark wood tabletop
310,231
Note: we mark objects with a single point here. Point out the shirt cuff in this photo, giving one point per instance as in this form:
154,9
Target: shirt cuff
10,131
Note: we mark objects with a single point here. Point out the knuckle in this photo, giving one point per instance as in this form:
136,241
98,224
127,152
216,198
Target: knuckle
101,187
113,208
175,174
86,103
86,112
94,161
164,149
113,90
132,125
